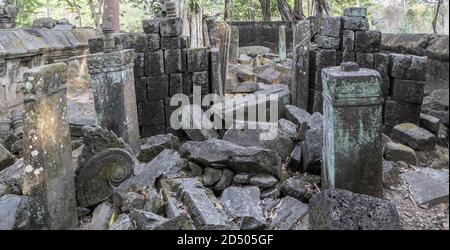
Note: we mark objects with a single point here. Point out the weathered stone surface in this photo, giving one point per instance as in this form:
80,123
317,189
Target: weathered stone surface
355,11
115,95
12,177
331,26
195,125
197,59
171,27
211,176
157,87
132,200
428,186
325,59
355,24
225,154
151,26
327,42
398,152
298,116
414,136
295,159
201,79
365,60
225,180
348,40
312,151
288,213
49,173
14,212
145,220
368,41
172,61
398,64
315,121
248,214
391,174
282,144
154,203
6,159
430,123
154,42
417,69
242,178
298,188
408,91
154,63
399,112
254,51
263,181
152,113
344,210
101,217
288,128
163,163
271,193
122,223
153,146
180,222
202,206
170,43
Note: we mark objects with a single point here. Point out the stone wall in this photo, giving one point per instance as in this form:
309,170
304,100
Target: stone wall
263,34
434,47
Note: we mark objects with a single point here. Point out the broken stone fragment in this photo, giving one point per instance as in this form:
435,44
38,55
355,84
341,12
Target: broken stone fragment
245,60
224,154
122,223
211,176
225,180
195,125
263,181
203,206
428,186
145,220
288,128
408,91
398,152
414,136
398,64
12,177
336,209
248,214
295,159
298,116
151,26
272,193
171,27
102,216
13,212
430,123
282,144
254,51
391,174
288,213
153,146
154,202
132,200
312,151
163,163
6,159
192,169
298,188
180,222
242,178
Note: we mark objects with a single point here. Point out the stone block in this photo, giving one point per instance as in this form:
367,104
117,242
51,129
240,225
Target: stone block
149,131
408,91
175,84
201,79
141,89
365,60
154,63
171,27
368,41
172,58
398,152
331,26
428,186
141,45
325,59
187,83
417,138
348,57
399,112
381,64
151,26
139,65
151,113
328,42
355,23
417,70
171,43
348,41
157,87
430,123
197,59
154,42
355,12
6,159
398,65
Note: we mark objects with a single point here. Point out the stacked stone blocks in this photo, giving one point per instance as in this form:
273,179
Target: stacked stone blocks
165,66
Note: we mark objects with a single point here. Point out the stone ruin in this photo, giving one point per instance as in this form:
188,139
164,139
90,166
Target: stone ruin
86,139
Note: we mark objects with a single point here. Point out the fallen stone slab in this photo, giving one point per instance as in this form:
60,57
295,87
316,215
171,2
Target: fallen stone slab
154,202
263,181
242,178
202,205
414,136
254,51
195,125
132,200
12,177
288,128
243,204
180,222
225,154
122,223
430,123
296,115
101,217
6,159
428,186
211,176
14,212
153,146
145,220
398,152
163,163
282,144
295,159
225,180
312,151
336,209
298,188
288,214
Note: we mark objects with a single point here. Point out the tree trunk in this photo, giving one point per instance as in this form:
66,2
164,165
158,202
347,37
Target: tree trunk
319,8
298,10
266,10
285,10
226,10
96,12
436,16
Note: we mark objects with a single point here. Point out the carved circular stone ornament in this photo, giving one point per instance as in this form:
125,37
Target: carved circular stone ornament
102,173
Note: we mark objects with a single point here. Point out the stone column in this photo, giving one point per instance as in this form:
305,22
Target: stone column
49,174
114,94
234,44
300,75
353,113
221,39
282,43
